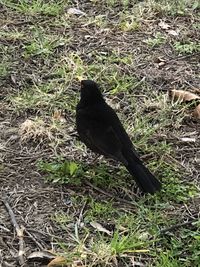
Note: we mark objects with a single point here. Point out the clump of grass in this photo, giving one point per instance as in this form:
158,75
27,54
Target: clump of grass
35,7
172,8
48,96
104,252
166,259
102,175
13,35
42,45
181,249
104,69
40,131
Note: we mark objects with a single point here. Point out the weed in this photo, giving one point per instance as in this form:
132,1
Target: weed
159,39
62,172
128,22
187,48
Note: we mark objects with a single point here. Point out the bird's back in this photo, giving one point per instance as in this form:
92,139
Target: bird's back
94,116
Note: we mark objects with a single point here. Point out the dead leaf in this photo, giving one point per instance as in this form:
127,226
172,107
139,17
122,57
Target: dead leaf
196,112
183,96
164,25
188,139
100,228
58,261
161,64
172,32
47,255
75,11
57,115
159,60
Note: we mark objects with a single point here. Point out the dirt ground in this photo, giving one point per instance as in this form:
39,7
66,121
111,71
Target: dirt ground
33,200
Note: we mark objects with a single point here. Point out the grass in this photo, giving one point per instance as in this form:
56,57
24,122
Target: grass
12,35
49,96
4,69
116,44
175,8
36,7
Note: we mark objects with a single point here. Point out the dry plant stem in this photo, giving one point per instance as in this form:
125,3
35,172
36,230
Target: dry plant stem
19,230
81,214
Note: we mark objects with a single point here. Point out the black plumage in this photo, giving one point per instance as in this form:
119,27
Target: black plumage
101,130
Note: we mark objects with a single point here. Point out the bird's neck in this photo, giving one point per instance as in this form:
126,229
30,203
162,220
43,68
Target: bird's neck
90,101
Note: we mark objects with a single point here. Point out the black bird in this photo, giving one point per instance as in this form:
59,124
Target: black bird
100,129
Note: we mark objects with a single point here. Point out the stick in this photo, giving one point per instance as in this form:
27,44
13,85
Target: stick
18,230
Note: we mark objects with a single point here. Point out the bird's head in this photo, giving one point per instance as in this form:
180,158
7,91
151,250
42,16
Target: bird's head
90,92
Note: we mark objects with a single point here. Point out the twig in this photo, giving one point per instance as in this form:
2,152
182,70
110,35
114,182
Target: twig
34,239
18,230
173,227
108,194
4,229
47,235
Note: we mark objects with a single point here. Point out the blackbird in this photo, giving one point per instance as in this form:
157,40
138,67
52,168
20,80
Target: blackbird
100,129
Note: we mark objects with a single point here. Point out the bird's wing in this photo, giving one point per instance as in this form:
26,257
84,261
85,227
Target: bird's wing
106,141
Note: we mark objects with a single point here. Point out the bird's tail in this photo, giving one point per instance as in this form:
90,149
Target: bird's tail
143,177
